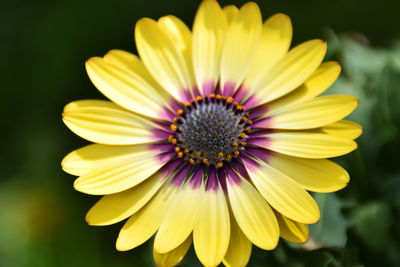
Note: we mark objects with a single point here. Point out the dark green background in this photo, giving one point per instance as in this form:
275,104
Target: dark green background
44,45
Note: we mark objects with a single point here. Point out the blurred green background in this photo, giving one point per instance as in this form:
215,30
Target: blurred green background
44,46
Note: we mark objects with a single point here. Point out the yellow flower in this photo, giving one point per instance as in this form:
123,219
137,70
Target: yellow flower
213,136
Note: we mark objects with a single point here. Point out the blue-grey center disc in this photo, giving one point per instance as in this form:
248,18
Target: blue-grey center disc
210,129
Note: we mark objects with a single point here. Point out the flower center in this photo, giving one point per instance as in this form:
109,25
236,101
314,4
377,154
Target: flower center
210,130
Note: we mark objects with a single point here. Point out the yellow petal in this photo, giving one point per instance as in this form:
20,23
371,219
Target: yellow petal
122,175
321,79
95,156
230,12
132,63
212,230
318,175
162,57
343,128
253,214
180,220
284,195
239,250
144,223
114,208
291,230
129,87
275,41
310,145
178,32
182,37
173,257
314,113
290,72
242,41
209,31
106,123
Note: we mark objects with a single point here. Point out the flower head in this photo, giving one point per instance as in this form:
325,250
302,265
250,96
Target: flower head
212,136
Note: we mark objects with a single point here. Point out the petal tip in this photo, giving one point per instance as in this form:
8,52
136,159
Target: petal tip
82,187
336,65
120,246
77,185
251,4
89,220
65,161
280,16
68,108
161,249
314,216
93,61
143,22
254,8
319,44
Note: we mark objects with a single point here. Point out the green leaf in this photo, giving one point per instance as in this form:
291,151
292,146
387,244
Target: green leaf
396,56
331,229
391,188
372,224
322,259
